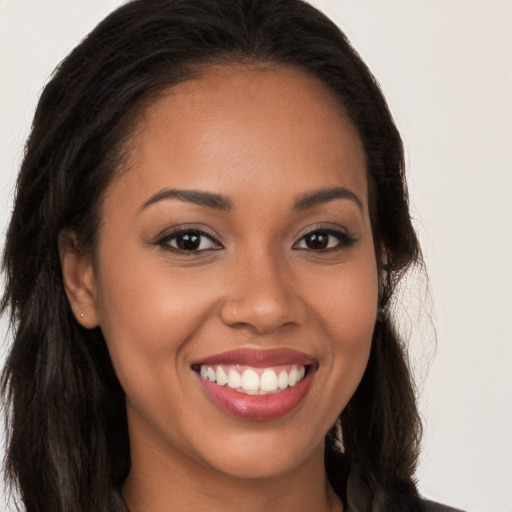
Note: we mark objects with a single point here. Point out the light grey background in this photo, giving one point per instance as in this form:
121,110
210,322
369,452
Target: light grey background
445,67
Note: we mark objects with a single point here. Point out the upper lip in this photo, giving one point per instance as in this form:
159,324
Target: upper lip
259,358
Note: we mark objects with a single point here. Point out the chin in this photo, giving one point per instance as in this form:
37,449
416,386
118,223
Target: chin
263,456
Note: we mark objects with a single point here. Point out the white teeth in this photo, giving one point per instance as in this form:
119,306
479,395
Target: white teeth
221,377
210,374
293,377
282,380
268,380
234,379
253,380
250,381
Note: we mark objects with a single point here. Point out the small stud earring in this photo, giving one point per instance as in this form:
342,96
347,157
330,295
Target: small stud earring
82,315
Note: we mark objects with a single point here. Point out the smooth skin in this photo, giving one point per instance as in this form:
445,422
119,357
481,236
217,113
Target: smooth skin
284,258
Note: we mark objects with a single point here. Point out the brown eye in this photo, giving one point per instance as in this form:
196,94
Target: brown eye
317,240
324,240
189,241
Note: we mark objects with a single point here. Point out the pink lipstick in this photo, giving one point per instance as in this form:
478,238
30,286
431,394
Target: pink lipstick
257,384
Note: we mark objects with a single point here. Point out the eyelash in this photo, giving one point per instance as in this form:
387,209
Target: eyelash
165,242
344,240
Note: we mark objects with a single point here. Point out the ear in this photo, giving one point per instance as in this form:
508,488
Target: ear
79,279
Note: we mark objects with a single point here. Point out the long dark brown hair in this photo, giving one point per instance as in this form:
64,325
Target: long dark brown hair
68,447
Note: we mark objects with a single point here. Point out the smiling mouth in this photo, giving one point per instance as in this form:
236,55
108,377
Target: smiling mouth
253,380
257,384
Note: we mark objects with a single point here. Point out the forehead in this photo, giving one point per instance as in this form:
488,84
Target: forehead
259,128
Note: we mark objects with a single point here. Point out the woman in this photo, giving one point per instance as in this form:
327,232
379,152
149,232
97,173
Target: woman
210,221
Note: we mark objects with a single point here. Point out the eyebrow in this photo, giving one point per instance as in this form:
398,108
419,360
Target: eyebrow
324,195
215,201
219,202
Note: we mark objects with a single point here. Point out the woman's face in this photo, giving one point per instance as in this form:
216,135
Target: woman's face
236,282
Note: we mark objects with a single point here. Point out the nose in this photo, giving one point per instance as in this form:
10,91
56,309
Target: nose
263,297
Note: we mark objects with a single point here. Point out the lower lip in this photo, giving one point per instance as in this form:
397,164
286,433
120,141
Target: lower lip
258,407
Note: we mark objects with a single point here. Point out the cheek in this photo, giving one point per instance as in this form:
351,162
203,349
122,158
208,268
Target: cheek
357,314
348,312
146,314
148,322
348,300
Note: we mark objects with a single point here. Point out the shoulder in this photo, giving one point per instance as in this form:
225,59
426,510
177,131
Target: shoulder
431,506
